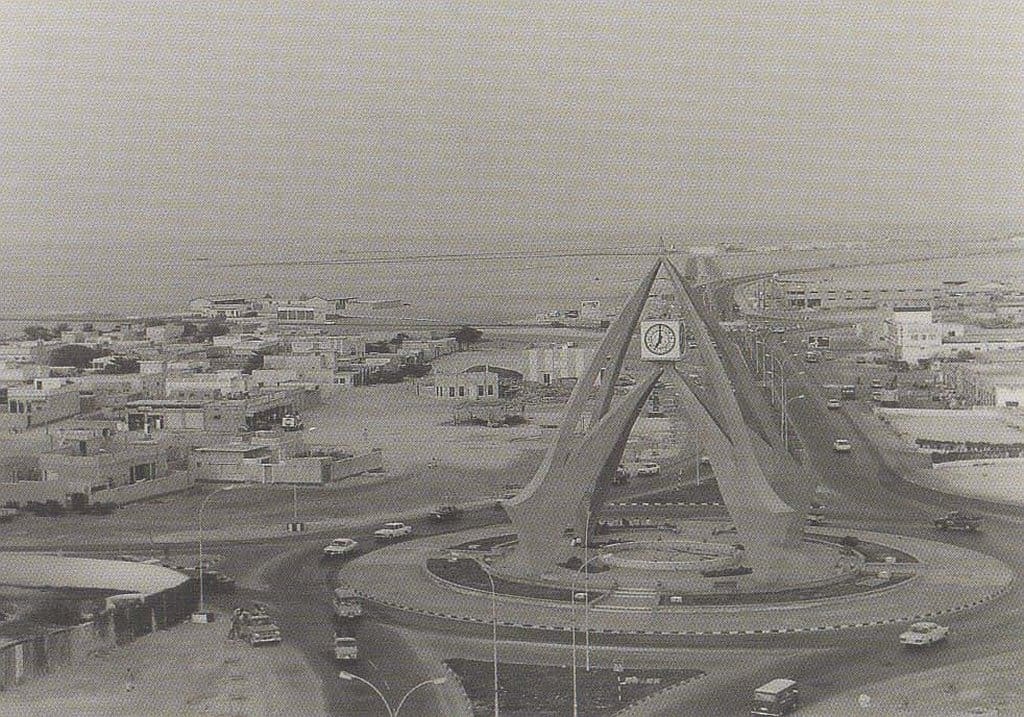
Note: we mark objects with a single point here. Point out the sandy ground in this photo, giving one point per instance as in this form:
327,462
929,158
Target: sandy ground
986,686
190,669
943,425
996,480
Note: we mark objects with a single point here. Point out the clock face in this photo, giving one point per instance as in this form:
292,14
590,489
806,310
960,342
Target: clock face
660,339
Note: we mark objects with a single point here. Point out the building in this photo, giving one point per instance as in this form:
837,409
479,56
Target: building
224,416
312,310
116,390
433,348
98,461
551,364
993,379
911,334
164,333
204,386
354,346
45,400
853,291
227,306
467,385
275,459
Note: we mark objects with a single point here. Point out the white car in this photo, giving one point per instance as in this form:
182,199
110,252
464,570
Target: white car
391,531
841,445
648,469
340,546
924,633
833,403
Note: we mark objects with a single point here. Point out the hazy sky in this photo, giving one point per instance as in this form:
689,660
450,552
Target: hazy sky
288,120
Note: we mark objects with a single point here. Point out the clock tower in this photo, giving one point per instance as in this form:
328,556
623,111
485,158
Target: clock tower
661,340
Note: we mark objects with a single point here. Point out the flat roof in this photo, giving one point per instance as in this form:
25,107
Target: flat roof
777,685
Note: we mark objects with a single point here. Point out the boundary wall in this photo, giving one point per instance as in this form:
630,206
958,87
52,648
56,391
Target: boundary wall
159,598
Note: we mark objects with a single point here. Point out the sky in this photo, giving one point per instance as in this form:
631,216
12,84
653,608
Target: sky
367,122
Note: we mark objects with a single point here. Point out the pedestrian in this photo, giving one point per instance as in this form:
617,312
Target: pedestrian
129,681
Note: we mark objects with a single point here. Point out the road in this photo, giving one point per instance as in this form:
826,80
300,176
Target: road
864,492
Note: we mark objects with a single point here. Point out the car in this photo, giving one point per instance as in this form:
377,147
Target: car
778,329
393,531
876,395
691,344
833,403
621,476
340,546
842,445
923,633
829,356
814,518
260,629
446,513
958,520
648,469
877,383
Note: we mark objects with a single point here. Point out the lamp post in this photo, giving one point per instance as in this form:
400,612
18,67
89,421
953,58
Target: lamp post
575,689
785,433
387,705
202,595
494,632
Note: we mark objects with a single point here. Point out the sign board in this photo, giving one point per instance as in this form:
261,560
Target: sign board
818,342
661,340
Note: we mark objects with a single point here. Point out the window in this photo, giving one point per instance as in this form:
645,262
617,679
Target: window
490,390
479,391
462,390
451,392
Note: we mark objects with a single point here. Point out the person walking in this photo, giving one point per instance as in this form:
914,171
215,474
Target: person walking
129,681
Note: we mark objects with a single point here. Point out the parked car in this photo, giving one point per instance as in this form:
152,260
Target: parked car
833,403
260,629
340,546
923,633
446,513
648,469
393,531
842,445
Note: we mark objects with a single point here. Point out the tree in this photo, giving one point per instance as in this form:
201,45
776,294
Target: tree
38,333
466,335
75,355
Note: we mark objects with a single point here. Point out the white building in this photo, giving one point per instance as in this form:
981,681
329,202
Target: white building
43,401
551,364
467,386
912,334
204,386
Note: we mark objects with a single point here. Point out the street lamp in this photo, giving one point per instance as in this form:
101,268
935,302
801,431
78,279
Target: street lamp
575,700
785,433
202,595
494,632
348,676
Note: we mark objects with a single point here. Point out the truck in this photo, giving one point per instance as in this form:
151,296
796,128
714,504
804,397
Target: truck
347,604
776,698
958,520
345,647
260,629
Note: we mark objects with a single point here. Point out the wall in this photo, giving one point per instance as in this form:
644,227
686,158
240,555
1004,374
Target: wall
25,491
166,599
363,463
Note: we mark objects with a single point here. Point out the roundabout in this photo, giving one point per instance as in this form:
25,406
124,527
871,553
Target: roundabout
920,579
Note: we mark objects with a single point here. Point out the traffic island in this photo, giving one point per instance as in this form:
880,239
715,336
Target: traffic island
547,689
914,579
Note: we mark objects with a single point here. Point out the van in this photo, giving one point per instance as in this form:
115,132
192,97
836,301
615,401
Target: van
776,698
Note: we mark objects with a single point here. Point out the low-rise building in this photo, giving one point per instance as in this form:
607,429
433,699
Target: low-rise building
350,346
164,333
43,401
552,364
912,334
260,459
227,306
312,310
467,385
204,386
